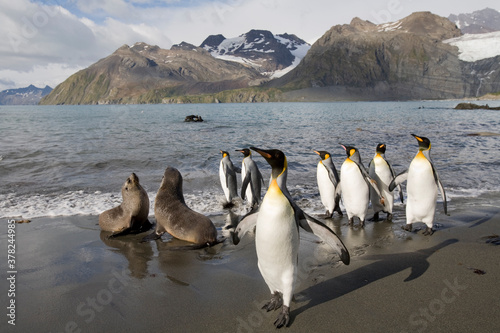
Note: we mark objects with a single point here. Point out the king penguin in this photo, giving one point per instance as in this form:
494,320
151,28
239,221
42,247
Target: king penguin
354,186
227,175
328,180
422,188
251,179
277,222
382,172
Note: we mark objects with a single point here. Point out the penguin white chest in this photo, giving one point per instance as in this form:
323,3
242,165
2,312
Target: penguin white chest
223,181
355,192
277,240
326,188
381,173
422,191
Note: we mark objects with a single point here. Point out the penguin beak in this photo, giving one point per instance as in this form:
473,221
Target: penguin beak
264,153
316,152
418,138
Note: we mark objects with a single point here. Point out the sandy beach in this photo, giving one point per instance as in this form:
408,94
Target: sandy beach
70,278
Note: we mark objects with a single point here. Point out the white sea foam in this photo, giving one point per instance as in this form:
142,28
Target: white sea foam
209,202
93,203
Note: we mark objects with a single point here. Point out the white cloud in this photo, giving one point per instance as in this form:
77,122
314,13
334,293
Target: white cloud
40,75
42,35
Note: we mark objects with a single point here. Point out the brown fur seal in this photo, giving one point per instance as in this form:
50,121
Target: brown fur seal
175,217
132,214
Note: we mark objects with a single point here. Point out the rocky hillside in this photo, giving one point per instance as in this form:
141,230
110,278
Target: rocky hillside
478,22
403,60
30,95
423,56
145,74
272,55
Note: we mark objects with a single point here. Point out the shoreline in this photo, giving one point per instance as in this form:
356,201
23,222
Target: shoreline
71,278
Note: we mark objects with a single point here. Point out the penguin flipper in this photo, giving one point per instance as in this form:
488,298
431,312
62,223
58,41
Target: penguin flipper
441,189
332,174
244,185
236,169
401,178
370,181
247,223
393,173
326,234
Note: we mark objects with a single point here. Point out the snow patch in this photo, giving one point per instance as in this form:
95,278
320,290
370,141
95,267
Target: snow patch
474,47
391,26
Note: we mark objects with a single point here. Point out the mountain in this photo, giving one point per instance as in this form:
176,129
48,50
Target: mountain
30,95
271,55
478,22
402,60
144,73
422,56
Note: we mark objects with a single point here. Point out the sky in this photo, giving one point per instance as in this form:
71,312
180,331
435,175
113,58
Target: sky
44,42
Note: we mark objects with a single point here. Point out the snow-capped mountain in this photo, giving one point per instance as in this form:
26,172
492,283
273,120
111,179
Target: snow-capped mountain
272,55
480,21
23,96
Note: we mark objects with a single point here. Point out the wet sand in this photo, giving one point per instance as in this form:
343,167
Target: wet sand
70,278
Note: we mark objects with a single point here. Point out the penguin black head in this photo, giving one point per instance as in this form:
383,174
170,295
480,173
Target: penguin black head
349,150
276,159
323,154
224,153
381,148
246,152
423,142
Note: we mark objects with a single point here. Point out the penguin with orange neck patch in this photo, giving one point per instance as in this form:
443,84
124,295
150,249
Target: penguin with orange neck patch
276,223
422,188
227,175
355,185
382,172
328,179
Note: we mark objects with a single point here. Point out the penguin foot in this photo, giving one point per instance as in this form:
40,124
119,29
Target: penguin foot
375,218
428,231
275,303
339,211
283,318
351,221
407,227
228,205
389,217
361,223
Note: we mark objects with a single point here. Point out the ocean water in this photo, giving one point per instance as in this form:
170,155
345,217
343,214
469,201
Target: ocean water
72,160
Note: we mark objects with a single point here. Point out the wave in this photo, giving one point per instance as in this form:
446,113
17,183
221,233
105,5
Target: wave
208,202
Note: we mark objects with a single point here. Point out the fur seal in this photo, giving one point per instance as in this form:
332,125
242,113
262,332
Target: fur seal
175,217
131,214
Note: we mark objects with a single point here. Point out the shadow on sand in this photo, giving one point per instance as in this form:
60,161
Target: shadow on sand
384,265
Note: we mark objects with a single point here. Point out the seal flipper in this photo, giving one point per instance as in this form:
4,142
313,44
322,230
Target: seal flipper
123,232
151,236
147,225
